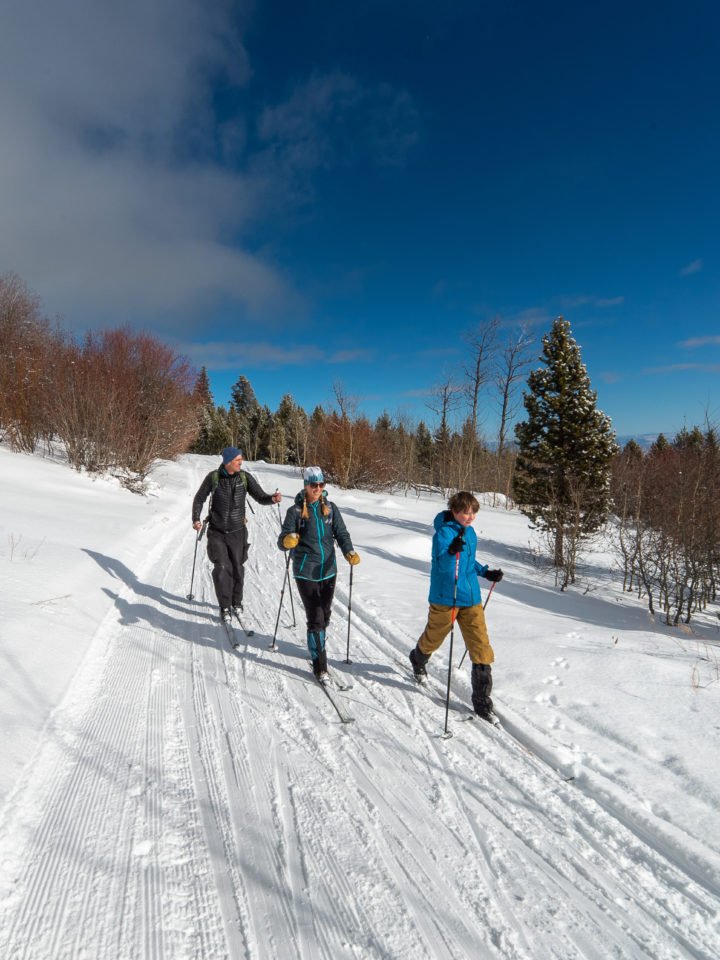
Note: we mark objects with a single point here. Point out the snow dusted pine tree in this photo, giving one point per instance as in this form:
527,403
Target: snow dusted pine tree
566,445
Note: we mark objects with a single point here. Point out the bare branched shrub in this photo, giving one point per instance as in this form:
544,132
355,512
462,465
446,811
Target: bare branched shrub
124,400
28,347
668,508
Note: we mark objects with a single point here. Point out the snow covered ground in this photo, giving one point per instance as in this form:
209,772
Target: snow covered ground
164,796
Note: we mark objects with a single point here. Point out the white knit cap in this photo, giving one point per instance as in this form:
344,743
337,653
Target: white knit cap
313,475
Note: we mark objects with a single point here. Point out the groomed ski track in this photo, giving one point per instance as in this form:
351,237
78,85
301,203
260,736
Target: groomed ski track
194,802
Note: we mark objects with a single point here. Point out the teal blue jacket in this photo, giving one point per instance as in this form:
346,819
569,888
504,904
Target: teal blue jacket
314,556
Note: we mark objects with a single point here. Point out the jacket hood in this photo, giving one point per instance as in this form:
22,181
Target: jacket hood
445,516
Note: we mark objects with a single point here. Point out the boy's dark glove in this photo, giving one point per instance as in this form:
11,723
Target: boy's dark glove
456,545
495,576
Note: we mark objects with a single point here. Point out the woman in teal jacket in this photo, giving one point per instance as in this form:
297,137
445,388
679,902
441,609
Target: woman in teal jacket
312,527
453,555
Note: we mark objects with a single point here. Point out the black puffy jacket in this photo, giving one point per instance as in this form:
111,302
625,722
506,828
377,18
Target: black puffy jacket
227,511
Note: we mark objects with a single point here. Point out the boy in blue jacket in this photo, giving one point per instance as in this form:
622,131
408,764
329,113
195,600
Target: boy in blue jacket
455,594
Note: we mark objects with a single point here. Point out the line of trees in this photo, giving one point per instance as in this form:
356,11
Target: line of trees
393,452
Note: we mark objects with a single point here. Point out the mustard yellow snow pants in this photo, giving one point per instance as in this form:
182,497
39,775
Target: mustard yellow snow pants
471,621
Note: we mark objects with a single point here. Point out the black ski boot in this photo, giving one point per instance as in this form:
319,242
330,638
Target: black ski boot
418,659
226,614
320,667
481,677
316,646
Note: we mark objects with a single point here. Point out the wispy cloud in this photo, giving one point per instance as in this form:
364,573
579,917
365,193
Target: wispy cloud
412,394
694,267
302,131
695,342
227,355
579,300
609,376
532,317
681,367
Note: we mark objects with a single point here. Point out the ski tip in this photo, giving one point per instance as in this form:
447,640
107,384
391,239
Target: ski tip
250,633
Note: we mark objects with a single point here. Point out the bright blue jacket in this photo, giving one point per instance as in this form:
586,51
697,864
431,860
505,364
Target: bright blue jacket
442,572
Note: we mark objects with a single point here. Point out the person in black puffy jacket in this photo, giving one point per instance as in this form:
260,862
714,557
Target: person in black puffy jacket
227,542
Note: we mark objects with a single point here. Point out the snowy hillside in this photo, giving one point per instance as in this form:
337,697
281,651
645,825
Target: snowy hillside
164,796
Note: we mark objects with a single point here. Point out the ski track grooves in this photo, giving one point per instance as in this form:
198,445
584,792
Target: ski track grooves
195,802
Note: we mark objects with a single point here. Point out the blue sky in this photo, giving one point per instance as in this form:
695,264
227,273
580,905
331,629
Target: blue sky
306,193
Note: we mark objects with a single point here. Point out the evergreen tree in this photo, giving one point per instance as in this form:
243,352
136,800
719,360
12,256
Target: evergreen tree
633,449
423,452
660,444
689,439
566,446
288,431
204,442
384,425
249,417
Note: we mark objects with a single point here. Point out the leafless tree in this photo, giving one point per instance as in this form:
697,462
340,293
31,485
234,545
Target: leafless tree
482,345
510,369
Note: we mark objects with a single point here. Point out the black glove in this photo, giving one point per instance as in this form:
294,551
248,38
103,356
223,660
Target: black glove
456,545
494,576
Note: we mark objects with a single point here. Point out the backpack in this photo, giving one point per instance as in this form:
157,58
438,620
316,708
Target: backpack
216,477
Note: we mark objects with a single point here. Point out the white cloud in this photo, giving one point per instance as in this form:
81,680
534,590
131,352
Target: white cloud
695,342
694,267
104,213
228,355
681,367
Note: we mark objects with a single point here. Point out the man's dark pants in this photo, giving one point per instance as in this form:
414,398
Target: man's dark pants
228,553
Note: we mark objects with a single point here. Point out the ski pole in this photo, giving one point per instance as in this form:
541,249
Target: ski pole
198,538
278,506
452,635
273,645
347,656
292,602
487,600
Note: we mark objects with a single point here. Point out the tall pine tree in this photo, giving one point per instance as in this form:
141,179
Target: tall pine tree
205,442
566,445
250,418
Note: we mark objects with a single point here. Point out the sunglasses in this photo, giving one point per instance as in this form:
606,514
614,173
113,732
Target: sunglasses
321,485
